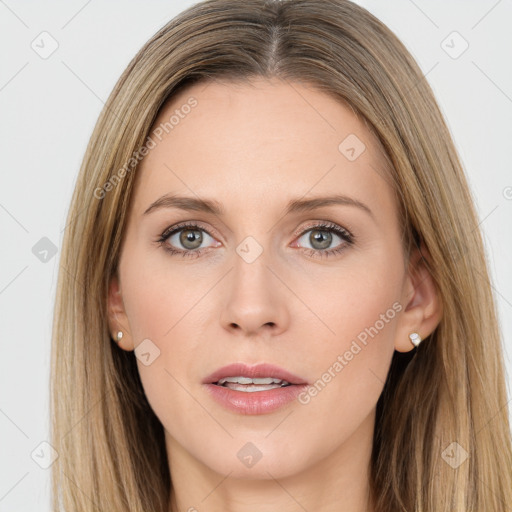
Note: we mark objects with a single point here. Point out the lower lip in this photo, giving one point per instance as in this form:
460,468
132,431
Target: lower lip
256,402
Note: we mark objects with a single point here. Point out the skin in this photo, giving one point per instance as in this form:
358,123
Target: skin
254,147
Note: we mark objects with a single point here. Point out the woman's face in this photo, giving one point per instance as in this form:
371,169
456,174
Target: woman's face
277,276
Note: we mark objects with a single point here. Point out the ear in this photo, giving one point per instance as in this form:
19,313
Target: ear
420,298
117,319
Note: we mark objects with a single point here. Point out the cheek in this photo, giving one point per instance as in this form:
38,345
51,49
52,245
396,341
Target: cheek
361,309
158,296
167,306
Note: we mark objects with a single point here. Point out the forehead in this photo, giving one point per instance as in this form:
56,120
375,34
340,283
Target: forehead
266,140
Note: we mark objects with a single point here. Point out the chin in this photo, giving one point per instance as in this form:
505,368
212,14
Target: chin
259,460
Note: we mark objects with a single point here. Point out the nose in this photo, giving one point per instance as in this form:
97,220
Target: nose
256,298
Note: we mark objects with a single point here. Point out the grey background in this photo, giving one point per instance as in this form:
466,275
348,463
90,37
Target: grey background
49,107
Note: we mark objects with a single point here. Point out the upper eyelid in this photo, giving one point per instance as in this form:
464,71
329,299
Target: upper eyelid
183,225
327,225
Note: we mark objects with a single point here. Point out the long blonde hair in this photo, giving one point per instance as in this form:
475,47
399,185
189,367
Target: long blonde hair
451,389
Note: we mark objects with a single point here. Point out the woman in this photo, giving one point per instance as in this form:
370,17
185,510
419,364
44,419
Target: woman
274,292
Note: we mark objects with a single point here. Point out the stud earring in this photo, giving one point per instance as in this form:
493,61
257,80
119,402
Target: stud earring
118,337
415,338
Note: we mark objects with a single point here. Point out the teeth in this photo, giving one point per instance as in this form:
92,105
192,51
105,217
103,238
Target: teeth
251,388
247,380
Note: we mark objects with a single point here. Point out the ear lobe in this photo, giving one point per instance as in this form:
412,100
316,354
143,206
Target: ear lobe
423,308
117,319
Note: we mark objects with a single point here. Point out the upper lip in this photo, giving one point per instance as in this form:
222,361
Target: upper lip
252,372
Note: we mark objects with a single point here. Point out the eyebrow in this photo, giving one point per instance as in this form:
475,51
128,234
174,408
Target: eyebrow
214,207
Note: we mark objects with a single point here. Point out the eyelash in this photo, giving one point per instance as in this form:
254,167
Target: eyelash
316,253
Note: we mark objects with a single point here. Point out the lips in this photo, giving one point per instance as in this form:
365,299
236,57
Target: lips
259,371
247,391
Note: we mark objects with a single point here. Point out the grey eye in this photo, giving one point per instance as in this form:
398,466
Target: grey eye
318,238
188,239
